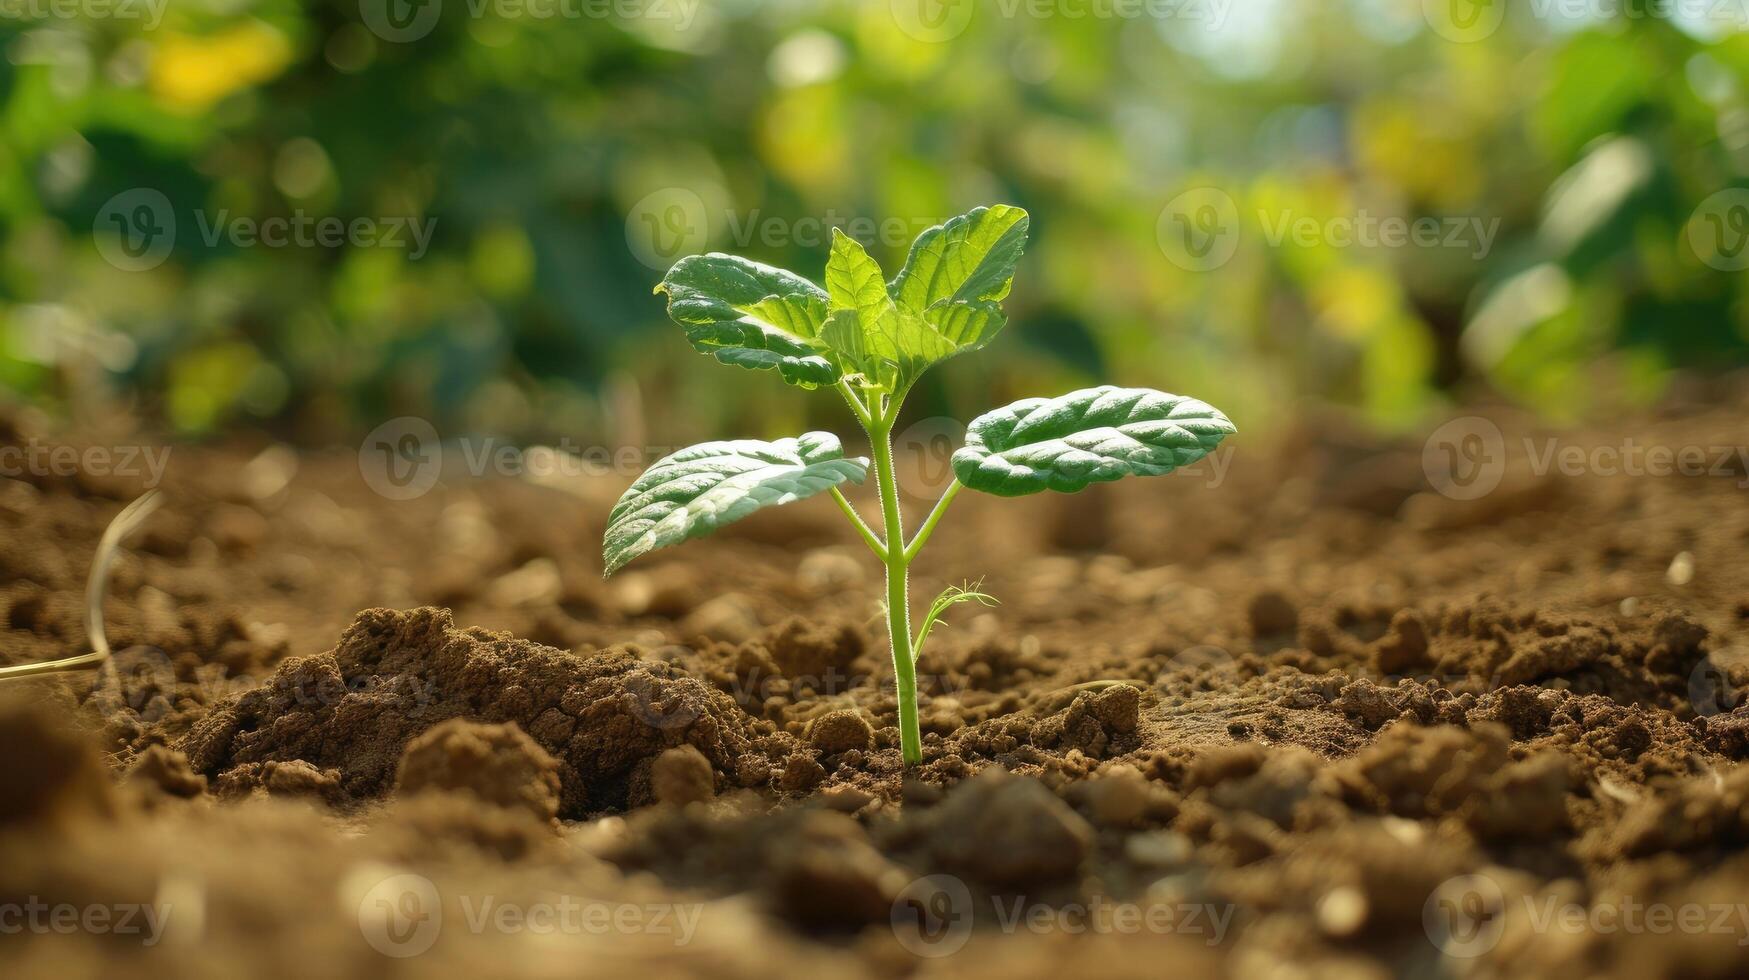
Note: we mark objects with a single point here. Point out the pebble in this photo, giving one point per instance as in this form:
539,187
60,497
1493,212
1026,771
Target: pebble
1342,911
1681,570
1160,849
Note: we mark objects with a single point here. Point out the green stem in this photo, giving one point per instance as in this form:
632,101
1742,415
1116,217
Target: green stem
928,527
862,528
857,408
898,591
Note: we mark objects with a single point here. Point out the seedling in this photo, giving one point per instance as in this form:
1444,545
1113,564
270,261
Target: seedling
96,590
870,340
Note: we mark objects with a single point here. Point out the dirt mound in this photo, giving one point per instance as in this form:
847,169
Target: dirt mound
603,716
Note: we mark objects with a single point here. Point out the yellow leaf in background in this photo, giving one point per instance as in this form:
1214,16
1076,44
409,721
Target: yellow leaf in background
1432,161
802,136
1354,302
193,72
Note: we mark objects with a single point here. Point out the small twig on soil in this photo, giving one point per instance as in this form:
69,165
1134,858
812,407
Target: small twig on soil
1061,697
96,588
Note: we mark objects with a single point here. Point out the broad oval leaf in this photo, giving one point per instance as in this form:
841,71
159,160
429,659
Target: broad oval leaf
1087,436
693,492
958,272
752,315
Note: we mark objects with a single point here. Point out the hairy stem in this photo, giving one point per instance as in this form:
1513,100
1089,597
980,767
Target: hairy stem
862,528
898,591
857,408
934,518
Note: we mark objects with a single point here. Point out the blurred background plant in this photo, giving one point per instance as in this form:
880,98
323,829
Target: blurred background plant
1225,197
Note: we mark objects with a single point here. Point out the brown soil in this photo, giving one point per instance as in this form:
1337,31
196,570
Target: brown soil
1319,721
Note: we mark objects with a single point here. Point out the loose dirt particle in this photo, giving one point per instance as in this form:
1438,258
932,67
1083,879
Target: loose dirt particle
1008,830
840,731
1118,798
290,778
682,775
809,651
828,876
498,764
801,773
1365,702
1404,648
52,774
1271,614
166,771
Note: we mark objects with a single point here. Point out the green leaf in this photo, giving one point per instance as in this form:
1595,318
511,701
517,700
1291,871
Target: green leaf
752,315
888,346
1088,436
701,488
959,271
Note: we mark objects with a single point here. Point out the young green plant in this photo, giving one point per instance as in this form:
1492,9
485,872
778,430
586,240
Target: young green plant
870,340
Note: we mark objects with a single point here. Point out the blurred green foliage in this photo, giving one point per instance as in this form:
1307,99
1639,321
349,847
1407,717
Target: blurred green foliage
562,151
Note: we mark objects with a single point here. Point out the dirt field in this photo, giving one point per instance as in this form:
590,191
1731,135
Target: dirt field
1320,720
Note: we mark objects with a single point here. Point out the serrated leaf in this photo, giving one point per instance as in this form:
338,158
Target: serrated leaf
872,336
959,271
752,315
693,492
1084,437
